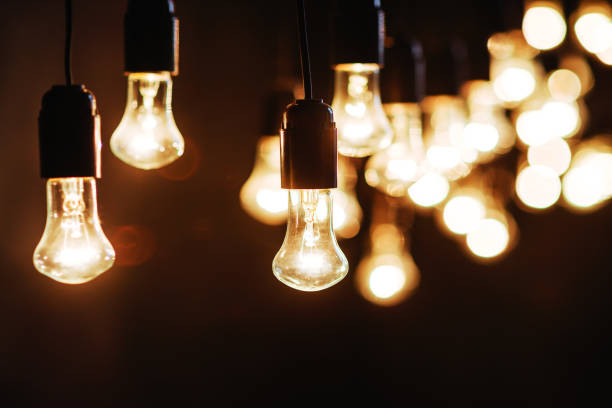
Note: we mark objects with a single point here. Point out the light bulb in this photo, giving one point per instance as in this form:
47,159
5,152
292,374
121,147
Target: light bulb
555,154
147,136
543,25
429,190
490,238
261,195
388,274
538,186
593,27
513,79
463,212
73,248
363,128
310,258
394,169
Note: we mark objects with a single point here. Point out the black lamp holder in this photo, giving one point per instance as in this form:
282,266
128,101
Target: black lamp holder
358,32
309,153
151,36
69,125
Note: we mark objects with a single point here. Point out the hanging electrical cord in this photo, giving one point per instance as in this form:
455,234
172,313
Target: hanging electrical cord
304,55
68,43
73,249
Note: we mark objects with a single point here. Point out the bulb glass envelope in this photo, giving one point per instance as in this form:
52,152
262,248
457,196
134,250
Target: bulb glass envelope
147,136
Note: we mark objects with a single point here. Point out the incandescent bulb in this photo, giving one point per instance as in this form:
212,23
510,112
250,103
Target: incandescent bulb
394,169
261,195
544,26
73,248
463,213
594,28
489,238
388,274
363,128
147,136
310,258
538,186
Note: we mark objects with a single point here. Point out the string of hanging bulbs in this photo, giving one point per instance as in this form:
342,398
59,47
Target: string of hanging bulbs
432,153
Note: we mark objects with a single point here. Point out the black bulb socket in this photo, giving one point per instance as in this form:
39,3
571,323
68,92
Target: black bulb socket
358,32
69,133
151,36
309,152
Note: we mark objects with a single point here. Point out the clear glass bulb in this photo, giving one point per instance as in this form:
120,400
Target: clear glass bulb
363,128
310,258
73,248
396,168
261,195
147,136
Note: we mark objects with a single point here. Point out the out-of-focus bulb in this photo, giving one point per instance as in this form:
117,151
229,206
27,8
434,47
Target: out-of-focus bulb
261,195
563,119
394,169
538,186
605,56
429,190
462,213
481,135
489,238
564,85
544,26
310,258
555,154
588,182
363,128
388,275
593,28
513,79
147,136
73,248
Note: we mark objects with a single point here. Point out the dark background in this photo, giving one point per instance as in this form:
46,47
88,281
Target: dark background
191,310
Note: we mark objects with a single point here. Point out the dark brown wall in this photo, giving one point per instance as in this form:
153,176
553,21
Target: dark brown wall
203,317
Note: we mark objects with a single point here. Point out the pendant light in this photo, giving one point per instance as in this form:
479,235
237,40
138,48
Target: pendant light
309,258
147,137
73,248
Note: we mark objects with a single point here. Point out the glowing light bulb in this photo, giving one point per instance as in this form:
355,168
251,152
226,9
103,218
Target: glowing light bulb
147,136
261,195
544,26
481,136
363,128
562,119
513,79
462,213
538,186
310,258
564,85
429,190
588,182
489,238
73,248
394,169
593,28
388,275
555,154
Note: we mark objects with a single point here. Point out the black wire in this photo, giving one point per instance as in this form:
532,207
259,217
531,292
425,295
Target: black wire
68,44
304,56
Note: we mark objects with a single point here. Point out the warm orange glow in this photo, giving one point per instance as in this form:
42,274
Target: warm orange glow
593,28
489,239
513,79
538,186
429,190
555,154
543,25
564,85
463,212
